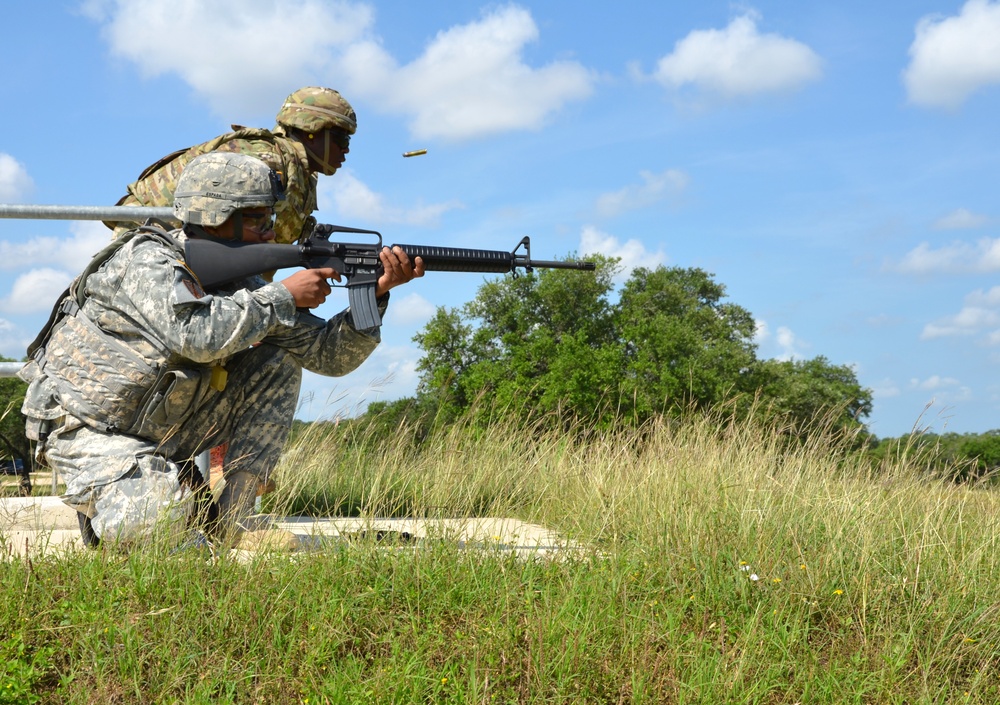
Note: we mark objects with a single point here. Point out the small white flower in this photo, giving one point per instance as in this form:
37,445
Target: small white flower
754,577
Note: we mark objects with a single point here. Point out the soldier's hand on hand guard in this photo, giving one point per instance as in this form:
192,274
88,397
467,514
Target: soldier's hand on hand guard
398,269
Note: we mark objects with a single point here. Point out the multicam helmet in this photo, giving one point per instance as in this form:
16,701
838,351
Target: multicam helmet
215,185
313,109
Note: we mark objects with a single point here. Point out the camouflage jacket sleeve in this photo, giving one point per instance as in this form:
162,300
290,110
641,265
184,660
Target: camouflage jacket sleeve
332,348
158,291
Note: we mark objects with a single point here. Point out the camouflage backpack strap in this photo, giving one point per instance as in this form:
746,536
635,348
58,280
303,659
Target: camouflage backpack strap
72,299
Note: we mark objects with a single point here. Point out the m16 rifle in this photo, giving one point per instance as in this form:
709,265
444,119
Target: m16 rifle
219,262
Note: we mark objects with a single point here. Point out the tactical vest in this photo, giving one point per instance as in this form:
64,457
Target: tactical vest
157,183
79,369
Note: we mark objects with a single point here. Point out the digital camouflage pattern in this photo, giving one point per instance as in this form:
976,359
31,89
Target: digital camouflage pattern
314,109
218,184
181,402
286,156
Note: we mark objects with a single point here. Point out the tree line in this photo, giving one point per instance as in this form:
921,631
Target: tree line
565,347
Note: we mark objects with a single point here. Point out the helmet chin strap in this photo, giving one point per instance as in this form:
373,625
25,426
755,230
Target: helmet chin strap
324,162
237,219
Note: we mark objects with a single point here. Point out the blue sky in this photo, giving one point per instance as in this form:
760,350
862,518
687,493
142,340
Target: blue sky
831,164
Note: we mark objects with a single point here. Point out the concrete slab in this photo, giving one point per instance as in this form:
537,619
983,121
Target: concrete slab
45,526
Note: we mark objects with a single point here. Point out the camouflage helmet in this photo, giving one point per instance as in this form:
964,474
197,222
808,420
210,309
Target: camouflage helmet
215,185
313,109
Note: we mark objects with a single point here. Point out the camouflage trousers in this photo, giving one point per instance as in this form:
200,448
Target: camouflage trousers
129,485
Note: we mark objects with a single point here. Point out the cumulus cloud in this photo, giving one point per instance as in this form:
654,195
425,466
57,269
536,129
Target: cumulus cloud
15,184
738,61
945,389
236,54
653,189
36,290
632,253
85,240
12,345
934,382
472,80
355,200
953,57
961,219
886,389
243,55
785,344
955,258
411,310
979,315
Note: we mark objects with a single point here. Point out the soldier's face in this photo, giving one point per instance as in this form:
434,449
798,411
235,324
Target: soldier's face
327,150
258,225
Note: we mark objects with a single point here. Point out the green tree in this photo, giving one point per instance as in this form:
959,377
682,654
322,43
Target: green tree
685,347
983,452
540,343
812,393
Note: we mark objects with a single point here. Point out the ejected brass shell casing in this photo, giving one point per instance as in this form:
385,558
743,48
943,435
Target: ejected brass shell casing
415,153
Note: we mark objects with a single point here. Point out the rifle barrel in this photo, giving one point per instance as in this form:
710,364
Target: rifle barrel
460,259
135,214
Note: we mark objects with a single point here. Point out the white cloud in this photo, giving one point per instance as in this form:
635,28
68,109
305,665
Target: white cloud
789,344
738,61
354,200
784,342
980,315
961,219
411,310
761,331
886,389
71,253
12,345
934,382
655,188
246,55
953,57
35,291
958,257
632,253
946,390
470,81
15,184
236,54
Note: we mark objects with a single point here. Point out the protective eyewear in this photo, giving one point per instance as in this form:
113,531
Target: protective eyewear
340,138
261,222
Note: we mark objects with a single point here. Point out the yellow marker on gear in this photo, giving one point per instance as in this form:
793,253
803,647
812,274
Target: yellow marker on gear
415,153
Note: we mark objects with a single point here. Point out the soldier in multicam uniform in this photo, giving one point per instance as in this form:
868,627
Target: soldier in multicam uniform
312,135
140,369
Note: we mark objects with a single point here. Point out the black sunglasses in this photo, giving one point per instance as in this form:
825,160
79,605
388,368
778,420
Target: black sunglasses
340,138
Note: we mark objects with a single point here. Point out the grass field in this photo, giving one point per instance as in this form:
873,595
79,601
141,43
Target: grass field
724,566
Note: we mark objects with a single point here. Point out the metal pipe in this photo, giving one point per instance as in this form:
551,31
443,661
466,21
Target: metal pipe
136,214
10,369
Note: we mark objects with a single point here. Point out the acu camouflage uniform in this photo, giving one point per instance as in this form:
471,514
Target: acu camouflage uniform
310,109
152,370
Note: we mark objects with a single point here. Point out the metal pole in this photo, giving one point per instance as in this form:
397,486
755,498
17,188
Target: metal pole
135,214
10,369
